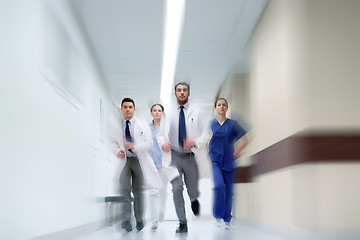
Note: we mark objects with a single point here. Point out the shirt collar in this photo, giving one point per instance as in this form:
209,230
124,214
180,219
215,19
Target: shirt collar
131,121
186,106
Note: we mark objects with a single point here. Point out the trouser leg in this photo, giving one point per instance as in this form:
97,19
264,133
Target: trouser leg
219,192
125,190
177,189
228,193
137,187
191,177
163,191
154,204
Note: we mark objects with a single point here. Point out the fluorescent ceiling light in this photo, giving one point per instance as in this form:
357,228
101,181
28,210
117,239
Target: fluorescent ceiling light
173,25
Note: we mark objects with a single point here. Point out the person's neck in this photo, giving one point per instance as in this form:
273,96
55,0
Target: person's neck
221,118
156,123
183,104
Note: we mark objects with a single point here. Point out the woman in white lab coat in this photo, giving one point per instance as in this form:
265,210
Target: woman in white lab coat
162,162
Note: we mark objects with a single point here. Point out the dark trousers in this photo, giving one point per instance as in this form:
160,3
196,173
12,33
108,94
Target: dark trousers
187,167
132,179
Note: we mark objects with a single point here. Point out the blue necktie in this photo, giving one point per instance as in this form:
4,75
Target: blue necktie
127,133
182,127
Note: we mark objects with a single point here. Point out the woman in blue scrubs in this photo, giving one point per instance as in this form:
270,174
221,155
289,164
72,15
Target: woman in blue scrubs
225,132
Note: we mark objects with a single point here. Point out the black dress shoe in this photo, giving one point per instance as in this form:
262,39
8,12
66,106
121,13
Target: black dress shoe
139,225
127,226
195,207
182,228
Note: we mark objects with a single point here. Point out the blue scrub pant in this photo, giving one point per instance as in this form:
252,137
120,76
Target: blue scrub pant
223,193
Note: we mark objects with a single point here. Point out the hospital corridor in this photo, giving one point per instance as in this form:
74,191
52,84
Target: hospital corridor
180,119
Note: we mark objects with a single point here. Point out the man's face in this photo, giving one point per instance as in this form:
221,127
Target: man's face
128,110
182,94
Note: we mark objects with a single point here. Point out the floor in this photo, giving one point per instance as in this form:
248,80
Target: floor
205,228
200,228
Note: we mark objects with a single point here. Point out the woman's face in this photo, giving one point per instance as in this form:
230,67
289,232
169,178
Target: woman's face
156,112
221,107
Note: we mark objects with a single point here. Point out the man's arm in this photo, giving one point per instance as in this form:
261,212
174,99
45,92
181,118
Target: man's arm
205,137
117,150
163,135
204,131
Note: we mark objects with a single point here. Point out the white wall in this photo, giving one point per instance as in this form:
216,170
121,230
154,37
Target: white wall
278,100
278,85
54,165
304,76
333,60
338,200
320,197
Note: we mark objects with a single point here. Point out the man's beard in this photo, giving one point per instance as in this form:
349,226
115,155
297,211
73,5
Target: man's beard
182,102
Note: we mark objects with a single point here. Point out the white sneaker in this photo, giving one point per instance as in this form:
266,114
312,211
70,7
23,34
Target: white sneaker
154,225
218,222
227,225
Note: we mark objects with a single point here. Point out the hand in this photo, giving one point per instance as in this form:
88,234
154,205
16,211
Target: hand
236,155
188,144
166,147
129,145
121,154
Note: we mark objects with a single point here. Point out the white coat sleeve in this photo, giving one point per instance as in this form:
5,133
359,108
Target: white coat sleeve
202,139
143,141
205,137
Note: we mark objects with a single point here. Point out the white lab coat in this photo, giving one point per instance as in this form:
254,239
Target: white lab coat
195,125
142,141
170,171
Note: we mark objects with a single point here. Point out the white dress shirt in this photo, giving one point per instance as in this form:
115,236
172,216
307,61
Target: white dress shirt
174,129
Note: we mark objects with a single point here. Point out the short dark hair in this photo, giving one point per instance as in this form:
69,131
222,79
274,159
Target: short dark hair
183,83
221,99
127,100
157,104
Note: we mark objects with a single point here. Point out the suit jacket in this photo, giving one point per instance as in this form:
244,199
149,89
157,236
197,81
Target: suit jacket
142,140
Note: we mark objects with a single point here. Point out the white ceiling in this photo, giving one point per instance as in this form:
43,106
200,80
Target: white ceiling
127,39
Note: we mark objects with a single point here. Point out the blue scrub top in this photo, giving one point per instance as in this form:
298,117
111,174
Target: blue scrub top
221,146
155,151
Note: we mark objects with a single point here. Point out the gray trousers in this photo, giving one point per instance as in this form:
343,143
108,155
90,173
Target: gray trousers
188,169
132,179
